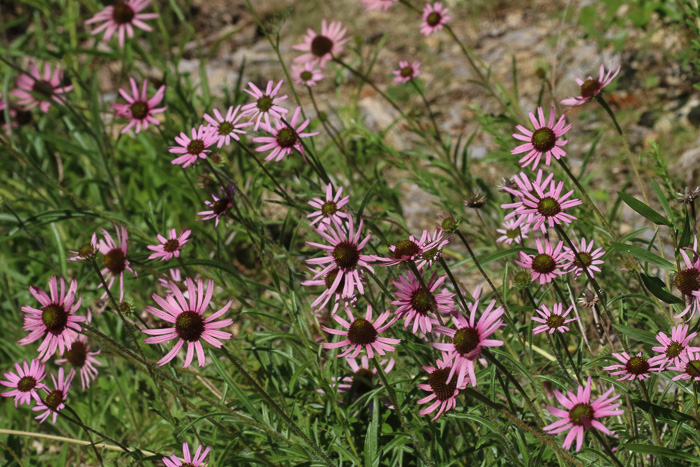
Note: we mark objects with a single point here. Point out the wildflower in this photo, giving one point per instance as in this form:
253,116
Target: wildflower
40,89
330,209
190,326
308,75
631,368
521,279
415,303
444,389
436,241
226,128
121,18
175,276
169,247
588,257
511,232
544,141
322,47
523,188
336,293
56,321
362,380
26,382
687,280
412,249
672,349
545,208
547,264
139,108
476,200
115,262
690,366
591,87
195,148
688,196
446,221
554,320
470,337
82,359
199,459
434,18
588,299
220,206
285,138
581,414
265,104
378,4
361,333
54,400
406,72
87,251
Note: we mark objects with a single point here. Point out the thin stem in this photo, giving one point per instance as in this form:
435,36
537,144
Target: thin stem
601,101
109,447
454,283
281,190
12,453
571,360
654,428
438,136
87,432
612,456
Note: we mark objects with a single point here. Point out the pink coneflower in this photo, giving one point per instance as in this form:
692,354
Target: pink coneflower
344,254
175,276
115,262
220,206
361,333
40,89
416,303
544,141
265,104
406,72
518,186
140,109
554,320
54,400
470,337
412,249
169,247
581,415
547,264
436,240
330,292
190,326
591,87
226,128
56,321
194,148
26,382
687,281
434,18
630,368
122,17
378,4
690,366
82,359
284,138
199,459
330,209
308,75
545,207
362,380
322,47
87,251
444,389
588,257
512,232
672,349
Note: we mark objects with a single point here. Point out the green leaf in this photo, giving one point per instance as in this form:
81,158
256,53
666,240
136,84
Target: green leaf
686,235
644,210
661,452
643,255
636,334
662,200
371,441
657,287
659,411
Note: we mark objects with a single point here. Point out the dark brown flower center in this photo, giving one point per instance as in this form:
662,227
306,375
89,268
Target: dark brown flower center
139,110
189,325
23,117
26,384
362,381
225,128
54,399
330,279
122,13
581,414
554,321
264,104
362,332
637,366
42,87
466,340
687,281
693,368
406,248
543,264
407,72
115,261
548,207
220,207
321,45
172,245
586,259
346,255
674,350
329,208
286,138
422,301
54,317
433,18
590,88
77,354
195,147
513,233
544,139
306,75
437,381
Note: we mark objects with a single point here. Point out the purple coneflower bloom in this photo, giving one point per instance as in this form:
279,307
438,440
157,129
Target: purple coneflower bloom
308,75
690,366
524,185
169,247
545,207
687,280
336,293
434,18
416,303
361,333
199,459
121,18
82,359
285,138
226,128
554,320
591,87
220,206
26,382
672,349
436,241
190,326
38,88
86,251
412,249
140,109
544,141
322,47
56,321
444,389
581,414
265,104
330,209
406,72
512,232
115,262
175,276
589,258
547,264
630,368
362,380
194,148
378,4
55,400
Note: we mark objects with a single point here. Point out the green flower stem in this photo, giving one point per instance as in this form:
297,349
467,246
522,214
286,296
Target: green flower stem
397,410
87,432
281,191
12,453
438,136
604,105
462,301
571,360
652,419
332,132
608,451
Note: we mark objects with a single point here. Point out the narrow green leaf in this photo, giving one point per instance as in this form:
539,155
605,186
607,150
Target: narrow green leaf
371,441
687,234
636,334
657,287
661,452
643,255
662,200
644,209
